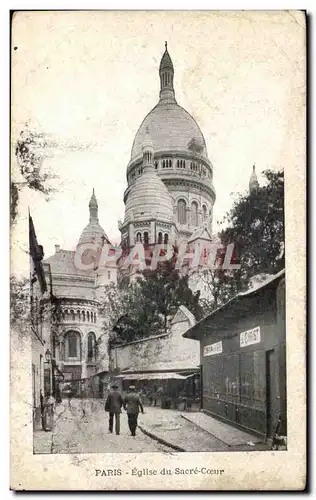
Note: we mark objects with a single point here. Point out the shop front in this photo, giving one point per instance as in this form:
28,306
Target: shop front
165,390
243,360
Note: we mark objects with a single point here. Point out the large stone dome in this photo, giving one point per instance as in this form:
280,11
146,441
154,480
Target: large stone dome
149,198
171,127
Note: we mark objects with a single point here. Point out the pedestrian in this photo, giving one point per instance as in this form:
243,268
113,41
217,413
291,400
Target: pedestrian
150,397
113,405
42,410
158,395
132,405
48,413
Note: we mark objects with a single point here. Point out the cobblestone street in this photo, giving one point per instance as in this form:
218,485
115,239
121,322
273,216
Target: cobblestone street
83,428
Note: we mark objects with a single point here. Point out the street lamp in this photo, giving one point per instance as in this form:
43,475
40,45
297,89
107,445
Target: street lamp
48,356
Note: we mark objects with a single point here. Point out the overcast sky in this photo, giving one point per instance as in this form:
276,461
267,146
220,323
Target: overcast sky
88,79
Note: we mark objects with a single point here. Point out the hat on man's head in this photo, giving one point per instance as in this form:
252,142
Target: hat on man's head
132,387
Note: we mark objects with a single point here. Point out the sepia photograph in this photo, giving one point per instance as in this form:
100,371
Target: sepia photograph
157,183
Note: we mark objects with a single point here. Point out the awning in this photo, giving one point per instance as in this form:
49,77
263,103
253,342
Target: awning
151,376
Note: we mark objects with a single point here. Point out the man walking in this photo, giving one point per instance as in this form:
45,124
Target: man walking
132,405
113,405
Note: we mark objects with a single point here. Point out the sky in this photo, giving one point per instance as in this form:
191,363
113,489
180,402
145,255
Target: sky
87,79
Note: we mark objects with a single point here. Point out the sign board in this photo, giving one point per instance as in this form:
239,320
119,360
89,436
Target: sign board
250,337
210,350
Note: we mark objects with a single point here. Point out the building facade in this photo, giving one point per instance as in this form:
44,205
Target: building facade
41,305
78,287
242,349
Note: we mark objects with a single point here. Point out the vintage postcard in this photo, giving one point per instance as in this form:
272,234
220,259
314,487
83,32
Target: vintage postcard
158,164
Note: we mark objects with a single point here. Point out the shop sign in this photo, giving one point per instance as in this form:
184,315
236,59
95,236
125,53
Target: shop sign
210,350
250,337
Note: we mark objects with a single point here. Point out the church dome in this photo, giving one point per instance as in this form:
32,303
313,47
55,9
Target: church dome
93,232
149,197
172,128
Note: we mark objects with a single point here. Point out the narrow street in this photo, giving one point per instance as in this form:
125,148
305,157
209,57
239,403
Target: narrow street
83,428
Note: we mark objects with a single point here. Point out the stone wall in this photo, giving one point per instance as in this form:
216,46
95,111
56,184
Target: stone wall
164,352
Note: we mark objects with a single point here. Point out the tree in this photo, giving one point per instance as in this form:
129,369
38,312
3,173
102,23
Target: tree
218,287
256,227
19,303
164,290
30,154
144,307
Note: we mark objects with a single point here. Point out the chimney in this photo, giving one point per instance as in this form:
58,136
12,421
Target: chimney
57,248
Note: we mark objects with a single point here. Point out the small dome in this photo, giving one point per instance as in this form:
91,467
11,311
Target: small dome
93,233
253,182
149,198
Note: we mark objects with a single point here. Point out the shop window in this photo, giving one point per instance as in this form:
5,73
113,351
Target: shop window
252,378
146,238
166,239
160,238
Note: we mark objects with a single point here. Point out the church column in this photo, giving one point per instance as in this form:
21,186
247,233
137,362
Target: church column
131,236
84,352
152,239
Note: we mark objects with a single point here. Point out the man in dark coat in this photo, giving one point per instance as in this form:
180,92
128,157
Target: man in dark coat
132,405
113,405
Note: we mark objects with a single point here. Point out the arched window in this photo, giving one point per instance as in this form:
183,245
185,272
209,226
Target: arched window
204,210
91,346
156,165
163,163
139,237
182,212
83,316
178,164
95,317
72,314
159,238
78,312
194,213
166,239
88,316
72,346
146,239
